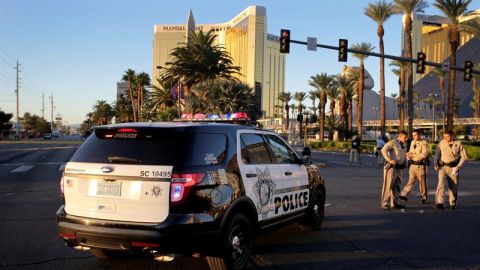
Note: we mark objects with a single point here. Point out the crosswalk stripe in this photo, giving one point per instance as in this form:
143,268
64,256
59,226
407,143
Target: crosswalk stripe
21,169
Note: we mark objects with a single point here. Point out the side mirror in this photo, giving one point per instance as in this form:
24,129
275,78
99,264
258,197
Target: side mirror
307,160
306,151
306,156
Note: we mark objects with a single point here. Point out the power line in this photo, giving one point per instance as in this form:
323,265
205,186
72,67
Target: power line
8,56
5,72
6,77
5,60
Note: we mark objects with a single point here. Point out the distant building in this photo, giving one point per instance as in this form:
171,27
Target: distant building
430,35
371,101
246,39
430,84
122,89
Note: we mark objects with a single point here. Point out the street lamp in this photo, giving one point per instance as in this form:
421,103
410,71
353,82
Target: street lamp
376,119
434,133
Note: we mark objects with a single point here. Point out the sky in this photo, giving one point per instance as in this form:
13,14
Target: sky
78,50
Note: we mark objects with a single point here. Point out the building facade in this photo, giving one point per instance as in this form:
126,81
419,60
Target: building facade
245,38
430,35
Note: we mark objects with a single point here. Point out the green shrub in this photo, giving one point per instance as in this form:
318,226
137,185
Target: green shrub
473,152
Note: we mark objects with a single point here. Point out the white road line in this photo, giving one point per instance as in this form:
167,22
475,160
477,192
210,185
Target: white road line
34,164
21,169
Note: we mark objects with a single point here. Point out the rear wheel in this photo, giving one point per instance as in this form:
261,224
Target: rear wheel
106,253
237,242
316,210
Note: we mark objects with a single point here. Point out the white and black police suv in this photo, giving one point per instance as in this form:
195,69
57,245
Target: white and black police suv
184,188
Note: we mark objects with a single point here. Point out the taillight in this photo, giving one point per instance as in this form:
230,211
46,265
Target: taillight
62,184
182,184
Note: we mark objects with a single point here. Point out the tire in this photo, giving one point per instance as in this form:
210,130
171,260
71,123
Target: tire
237,241
106,253
316,210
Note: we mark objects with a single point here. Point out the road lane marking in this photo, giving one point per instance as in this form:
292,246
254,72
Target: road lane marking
21,169
34,164
38,148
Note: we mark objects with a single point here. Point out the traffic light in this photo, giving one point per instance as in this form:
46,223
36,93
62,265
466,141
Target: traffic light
284,41
342,50
421,62
467,74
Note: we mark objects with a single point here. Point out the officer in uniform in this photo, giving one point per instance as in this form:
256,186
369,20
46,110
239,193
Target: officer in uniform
418,160
395,158
449,158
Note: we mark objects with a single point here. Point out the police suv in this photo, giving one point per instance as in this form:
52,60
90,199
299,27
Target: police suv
184,188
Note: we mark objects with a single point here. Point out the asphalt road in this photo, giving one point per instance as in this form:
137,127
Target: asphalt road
356,234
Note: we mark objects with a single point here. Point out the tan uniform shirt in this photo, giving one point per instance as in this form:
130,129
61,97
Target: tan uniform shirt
419,149
450,151
393,151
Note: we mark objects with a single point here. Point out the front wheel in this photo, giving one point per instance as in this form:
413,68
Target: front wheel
316,210
237,242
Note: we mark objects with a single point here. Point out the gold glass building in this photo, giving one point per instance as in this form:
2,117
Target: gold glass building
430,35
246,39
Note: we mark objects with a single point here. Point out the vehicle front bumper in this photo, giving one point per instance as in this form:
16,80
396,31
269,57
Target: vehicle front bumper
179,233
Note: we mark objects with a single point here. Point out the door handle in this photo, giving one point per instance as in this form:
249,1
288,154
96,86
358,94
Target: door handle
288,173
249,175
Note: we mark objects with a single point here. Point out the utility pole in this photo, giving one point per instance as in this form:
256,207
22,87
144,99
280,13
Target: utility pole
43,105
16,92
51,115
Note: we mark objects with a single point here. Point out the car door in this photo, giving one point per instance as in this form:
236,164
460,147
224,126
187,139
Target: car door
260,181
294,195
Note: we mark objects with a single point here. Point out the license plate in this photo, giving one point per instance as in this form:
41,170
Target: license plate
109,188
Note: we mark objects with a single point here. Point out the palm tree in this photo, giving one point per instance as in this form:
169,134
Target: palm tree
102,112
346,90
122,110
441,75
354,76
233,96
471,26
142,80
400,72
408,8
300,97
453,10
199,60
313,97
380,12
321,82
368,48
331,124
129,76
332,94
285,98
161,96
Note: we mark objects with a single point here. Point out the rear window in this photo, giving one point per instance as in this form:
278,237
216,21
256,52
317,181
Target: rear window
153,146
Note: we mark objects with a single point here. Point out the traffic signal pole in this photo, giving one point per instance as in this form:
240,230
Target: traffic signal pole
392,57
